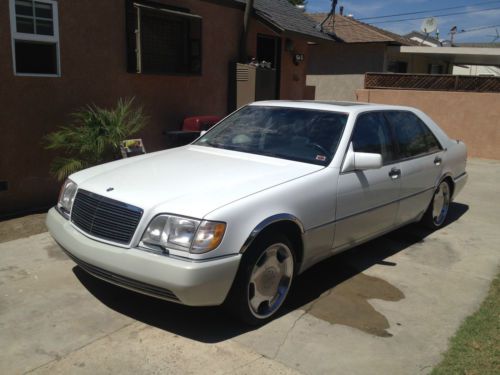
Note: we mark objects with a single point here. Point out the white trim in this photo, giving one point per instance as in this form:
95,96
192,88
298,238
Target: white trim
183,14
35,37
48,39
36,75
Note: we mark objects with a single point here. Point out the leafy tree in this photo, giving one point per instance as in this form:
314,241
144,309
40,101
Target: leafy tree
93,137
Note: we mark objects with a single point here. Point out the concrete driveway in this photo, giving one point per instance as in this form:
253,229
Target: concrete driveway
387,307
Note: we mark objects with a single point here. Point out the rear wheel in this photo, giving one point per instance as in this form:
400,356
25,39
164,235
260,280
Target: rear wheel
263,280
436,214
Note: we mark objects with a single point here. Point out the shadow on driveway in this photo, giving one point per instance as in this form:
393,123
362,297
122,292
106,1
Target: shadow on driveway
212,324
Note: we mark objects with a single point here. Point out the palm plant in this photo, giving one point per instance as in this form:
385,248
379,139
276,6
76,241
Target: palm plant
93,137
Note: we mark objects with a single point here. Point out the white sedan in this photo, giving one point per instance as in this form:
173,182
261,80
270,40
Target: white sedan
271,190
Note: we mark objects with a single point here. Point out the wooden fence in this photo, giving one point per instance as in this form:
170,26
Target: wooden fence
433,82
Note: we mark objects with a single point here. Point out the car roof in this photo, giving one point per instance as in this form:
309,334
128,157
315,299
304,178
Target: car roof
336,106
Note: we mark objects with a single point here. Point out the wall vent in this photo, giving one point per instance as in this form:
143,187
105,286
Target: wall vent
242,72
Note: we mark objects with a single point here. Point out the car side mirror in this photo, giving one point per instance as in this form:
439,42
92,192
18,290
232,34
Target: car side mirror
202,133
360,161
364,161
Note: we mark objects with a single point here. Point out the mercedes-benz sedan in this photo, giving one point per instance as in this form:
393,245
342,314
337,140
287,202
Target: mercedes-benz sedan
269,191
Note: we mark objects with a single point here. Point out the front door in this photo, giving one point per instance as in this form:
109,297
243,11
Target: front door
367,201
268,77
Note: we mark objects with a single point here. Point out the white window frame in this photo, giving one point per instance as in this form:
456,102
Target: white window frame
49,39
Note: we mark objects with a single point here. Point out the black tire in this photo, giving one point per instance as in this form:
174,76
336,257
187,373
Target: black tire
238,300
431,218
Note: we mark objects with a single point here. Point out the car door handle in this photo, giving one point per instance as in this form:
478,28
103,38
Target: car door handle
437,160
395,173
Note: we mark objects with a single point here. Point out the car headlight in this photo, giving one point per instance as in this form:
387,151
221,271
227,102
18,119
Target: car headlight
185,234
67,197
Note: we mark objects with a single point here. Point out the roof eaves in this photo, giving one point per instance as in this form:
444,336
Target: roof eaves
269,11
261,16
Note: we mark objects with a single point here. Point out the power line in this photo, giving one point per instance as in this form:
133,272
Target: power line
438,15
427,11
478,28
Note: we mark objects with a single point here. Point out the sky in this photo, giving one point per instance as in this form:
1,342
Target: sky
372,8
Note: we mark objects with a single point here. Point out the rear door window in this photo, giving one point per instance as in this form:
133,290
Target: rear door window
413,136
431,140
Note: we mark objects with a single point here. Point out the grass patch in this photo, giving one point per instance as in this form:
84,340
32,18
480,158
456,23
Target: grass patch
475,348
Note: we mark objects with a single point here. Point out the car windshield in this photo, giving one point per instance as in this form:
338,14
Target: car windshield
305,135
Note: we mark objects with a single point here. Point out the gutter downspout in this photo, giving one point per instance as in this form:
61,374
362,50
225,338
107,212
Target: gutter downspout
244,36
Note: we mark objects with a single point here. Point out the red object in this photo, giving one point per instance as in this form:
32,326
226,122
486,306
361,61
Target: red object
199,123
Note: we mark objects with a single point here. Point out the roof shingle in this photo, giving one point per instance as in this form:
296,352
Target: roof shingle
350,30
286,17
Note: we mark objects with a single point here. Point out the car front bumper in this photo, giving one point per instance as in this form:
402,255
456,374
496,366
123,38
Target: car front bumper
194,283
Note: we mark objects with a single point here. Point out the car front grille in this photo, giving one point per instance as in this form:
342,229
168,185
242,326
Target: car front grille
104,217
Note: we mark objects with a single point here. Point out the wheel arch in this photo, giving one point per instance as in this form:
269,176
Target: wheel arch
287,224
449,178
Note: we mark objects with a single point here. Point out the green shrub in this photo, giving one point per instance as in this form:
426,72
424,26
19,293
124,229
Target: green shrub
93,137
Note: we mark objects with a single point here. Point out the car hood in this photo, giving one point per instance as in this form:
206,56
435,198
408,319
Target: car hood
189,180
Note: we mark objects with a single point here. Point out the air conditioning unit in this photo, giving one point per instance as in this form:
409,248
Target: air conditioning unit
250,84
245,84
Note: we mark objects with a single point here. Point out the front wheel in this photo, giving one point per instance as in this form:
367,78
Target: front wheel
263,280
436,214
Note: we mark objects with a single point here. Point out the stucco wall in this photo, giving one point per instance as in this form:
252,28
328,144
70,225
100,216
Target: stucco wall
337,69
416,63
336,87
476,70
93,67
471,117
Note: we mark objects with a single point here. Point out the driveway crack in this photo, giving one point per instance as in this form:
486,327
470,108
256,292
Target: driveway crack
288,334
306,310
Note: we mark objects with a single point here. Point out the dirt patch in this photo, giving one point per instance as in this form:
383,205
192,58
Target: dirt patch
22,227
347,304
55,252
12,273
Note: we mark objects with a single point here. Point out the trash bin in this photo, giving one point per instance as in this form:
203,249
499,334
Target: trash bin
191,128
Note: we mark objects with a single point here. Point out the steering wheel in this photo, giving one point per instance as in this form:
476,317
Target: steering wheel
321,148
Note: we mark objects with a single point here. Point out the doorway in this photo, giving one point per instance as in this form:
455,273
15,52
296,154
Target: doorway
268,79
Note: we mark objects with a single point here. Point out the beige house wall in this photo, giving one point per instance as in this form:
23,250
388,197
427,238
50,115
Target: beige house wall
471,117
336,70
476,70
416,63
336,87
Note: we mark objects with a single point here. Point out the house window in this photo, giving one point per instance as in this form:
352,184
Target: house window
397,67
163,40
35,37
436,69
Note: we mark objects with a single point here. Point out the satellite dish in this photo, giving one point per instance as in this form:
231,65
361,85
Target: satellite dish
429,25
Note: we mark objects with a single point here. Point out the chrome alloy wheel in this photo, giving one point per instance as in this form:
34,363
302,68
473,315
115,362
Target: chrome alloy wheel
441,203
270,280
